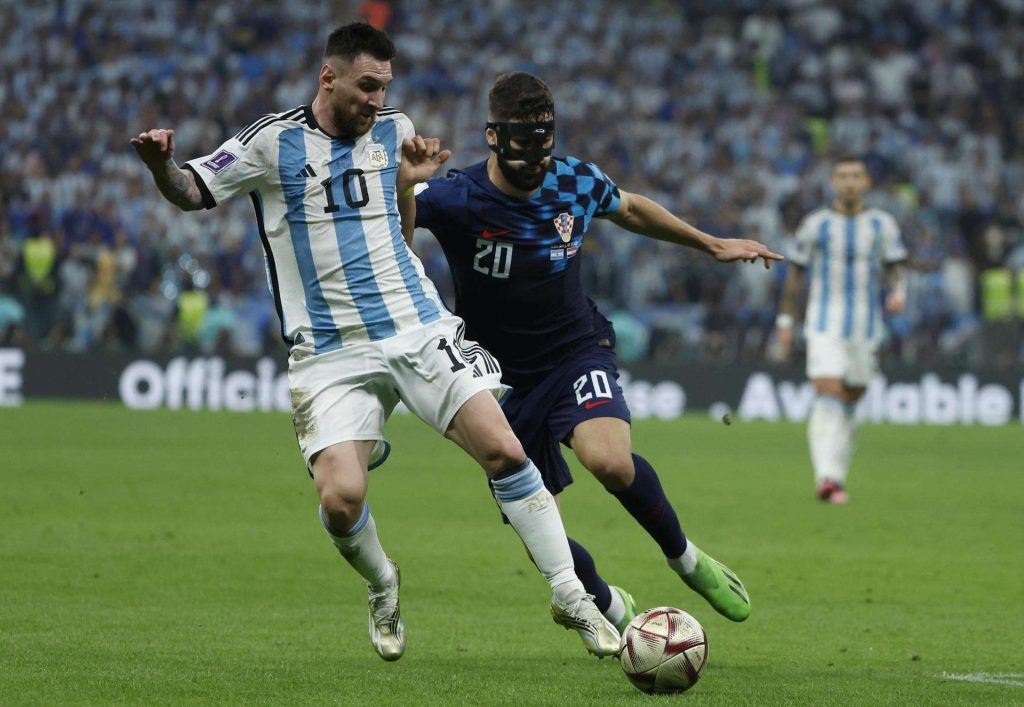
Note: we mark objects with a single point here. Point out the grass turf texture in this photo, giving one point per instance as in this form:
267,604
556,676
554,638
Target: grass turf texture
174,557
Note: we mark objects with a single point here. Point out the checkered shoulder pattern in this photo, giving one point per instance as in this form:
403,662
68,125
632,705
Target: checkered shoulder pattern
573,180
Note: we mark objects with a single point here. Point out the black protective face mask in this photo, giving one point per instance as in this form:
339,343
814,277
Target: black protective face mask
533,135
519,178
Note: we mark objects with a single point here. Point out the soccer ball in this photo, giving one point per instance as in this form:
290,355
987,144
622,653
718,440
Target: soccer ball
663,651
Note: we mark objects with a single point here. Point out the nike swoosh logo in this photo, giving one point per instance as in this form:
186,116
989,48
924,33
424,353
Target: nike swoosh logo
596,403
491,234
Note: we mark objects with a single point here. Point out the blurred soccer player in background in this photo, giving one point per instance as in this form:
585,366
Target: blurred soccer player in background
512,228
364,326
849,250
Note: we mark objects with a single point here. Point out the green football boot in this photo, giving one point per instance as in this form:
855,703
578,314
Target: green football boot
630,603
720,586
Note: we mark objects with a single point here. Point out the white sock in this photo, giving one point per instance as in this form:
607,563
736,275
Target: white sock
531,510
617,609
826,435
685,563
361,548
849,435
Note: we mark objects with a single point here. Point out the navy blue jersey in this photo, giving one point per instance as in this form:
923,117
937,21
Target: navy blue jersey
515,263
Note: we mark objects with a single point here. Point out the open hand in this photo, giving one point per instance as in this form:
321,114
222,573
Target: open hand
154,146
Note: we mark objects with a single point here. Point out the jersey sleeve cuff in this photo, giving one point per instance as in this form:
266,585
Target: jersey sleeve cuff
208,201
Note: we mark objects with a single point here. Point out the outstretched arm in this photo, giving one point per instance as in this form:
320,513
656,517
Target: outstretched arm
641,215
156,149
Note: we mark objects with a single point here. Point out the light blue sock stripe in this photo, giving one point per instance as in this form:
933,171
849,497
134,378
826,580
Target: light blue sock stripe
522,484
832,400
360,524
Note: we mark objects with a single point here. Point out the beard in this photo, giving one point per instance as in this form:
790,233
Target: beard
353,127
520,179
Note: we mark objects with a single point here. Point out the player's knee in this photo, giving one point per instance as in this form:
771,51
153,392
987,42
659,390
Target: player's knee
341,499
342,505
502,451
614,471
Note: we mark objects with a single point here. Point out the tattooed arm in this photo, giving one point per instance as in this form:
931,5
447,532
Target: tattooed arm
156,149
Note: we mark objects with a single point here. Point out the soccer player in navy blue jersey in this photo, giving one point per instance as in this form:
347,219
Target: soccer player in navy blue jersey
512,228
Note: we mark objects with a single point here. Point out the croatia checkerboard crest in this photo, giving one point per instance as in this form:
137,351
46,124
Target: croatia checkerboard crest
563,224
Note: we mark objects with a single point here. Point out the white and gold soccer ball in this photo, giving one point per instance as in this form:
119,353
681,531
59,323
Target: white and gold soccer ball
663,651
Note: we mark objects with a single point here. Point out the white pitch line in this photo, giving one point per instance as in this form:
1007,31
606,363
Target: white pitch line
1014,679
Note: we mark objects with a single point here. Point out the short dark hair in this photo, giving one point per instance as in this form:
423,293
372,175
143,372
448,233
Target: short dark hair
351,40
848,157
520,96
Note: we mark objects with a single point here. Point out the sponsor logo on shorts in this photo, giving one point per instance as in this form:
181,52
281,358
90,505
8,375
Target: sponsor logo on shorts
595,403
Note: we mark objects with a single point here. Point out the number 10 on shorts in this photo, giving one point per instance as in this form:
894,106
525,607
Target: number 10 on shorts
599,387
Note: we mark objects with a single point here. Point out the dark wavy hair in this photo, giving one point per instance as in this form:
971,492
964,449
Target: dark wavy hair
520,97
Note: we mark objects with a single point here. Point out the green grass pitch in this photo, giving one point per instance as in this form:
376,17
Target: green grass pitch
175,557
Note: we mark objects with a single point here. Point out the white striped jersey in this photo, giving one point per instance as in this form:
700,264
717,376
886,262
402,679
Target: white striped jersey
327,211
844,256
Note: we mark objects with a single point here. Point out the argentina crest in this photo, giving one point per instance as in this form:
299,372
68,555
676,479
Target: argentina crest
563,224
376,155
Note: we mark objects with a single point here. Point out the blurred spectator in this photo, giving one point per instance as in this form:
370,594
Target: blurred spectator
12,313
154,312
39,262
193,308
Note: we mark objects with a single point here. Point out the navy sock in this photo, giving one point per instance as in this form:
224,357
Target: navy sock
586,570
645,500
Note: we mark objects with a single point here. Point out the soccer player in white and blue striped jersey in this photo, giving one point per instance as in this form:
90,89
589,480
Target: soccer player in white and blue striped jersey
332,185
851,252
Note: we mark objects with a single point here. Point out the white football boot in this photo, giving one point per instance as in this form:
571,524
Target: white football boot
579,613
386,628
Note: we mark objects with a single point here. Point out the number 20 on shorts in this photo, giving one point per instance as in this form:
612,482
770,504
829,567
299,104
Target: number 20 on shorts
599,387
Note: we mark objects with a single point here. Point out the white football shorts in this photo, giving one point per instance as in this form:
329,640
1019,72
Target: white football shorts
853,361
349,394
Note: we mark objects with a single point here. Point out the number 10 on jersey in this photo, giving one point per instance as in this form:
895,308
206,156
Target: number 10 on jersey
353,188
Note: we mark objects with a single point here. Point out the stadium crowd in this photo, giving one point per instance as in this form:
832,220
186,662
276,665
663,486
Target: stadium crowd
728,113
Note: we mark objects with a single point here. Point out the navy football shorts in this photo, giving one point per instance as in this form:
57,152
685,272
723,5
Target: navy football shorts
544,415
